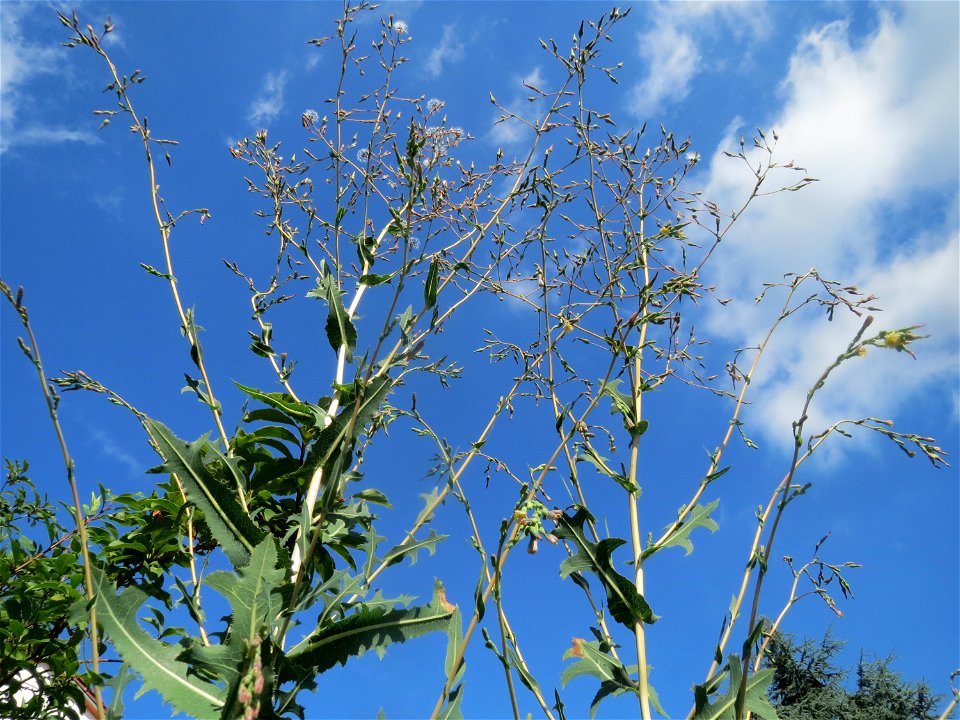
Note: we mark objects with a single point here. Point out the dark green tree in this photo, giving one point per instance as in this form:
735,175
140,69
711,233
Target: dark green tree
809,684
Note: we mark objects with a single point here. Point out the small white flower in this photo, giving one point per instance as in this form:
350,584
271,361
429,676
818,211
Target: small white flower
400,26
414,242
363,155
309,117
693,158
433,104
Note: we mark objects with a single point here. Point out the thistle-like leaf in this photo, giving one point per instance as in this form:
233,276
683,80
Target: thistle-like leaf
156,662
227,521
399,552
756,700
626,605
591,660
366,629
698,517
255,603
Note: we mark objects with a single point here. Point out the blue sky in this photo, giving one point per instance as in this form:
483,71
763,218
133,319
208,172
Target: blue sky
865,96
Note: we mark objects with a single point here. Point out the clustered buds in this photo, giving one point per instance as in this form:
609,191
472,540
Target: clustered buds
251,686
530,516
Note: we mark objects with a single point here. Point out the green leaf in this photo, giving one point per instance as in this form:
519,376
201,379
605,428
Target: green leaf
156,273
600,463
451,707
252,591
430,285
623,405
157,663
283,402
399,552
756,700
333,446
625,604
698,517
227,521
591,660
366,629
614,677
340,329
451,710
372,279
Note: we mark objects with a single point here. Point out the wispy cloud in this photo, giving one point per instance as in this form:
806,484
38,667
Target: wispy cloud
109,448
449,49
669,48
20,62
513,130
877,123
269,102
672,59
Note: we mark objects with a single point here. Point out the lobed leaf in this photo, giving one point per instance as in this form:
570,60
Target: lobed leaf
157,663
626,605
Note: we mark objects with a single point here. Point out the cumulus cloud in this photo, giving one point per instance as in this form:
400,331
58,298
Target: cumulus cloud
671,59
449,49
269,102
877,124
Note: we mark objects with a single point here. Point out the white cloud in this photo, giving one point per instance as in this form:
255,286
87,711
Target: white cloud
672,59
269,103
40,135
111,449
447,50
670,53
513,130
20,61
877,123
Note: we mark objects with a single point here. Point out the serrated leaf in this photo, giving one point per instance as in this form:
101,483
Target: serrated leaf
626,605
399,552
623,405
592,661
154,661
252,591
227,521
366,629
333,446
756,699
698,517
282,402
429,499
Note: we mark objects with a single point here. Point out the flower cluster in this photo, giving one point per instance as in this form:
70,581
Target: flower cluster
530,516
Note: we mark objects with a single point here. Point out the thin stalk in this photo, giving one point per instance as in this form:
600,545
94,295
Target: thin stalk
33,353
783,491
164,228
636,543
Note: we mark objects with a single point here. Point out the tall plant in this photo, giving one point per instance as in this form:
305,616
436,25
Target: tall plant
592,232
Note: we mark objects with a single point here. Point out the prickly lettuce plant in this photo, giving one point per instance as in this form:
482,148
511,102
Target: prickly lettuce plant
591,236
